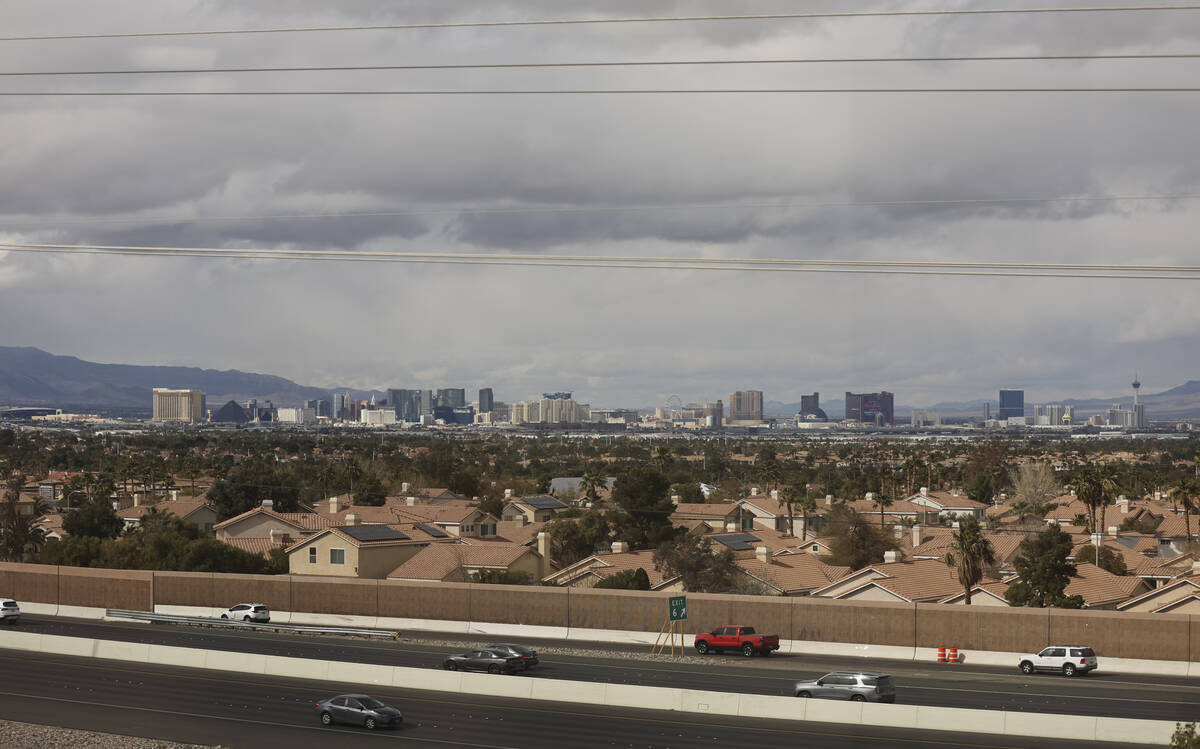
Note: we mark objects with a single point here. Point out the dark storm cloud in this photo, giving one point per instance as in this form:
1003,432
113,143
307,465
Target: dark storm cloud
736,176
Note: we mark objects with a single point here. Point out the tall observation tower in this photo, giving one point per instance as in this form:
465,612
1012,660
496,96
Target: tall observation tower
1139,411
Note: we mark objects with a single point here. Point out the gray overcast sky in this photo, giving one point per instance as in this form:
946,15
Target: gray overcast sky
615,337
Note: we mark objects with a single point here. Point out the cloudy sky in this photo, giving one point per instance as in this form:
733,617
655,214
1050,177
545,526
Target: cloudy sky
714,175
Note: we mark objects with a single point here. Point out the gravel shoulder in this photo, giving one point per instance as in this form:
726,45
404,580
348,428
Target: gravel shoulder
15,735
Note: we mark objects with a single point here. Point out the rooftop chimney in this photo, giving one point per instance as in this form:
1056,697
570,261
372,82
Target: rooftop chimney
675,499
508,493
174,495
543,548
762,554
924,491
351,519
404,487
731,527
137,499
335,505
916,536
268,504
619,547
891,556
1158,496
410,501
869,496
1113,530
754,491
1123,504
775,494
829,500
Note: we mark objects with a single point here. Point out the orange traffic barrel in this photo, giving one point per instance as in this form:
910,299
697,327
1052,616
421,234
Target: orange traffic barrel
941,655
954,655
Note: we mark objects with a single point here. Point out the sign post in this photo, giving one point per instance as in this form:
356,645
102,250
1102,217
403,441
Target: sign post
676,613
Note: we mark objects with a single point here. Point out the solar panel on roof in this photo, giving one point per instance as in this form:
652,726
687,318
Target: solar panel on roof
736,541
432,530
544,503
373,533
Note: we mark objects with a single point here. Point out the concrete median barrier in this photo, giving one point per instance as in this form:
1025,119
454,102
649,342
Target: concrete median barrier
1039,725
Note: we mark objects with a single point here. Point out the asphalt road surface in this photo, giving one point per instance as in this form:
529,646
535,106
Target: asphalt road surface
232,710
946,685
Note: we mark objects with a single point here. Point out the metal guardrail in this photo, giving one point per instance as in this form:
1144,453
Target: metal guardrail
208,621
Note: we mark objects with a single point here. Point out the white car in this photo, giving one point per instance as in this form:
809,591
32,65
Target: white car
10,612
1067,660
248,612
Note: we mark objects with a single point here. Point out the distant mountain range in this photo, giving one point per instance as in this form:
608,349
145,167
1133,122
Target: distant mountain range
32,377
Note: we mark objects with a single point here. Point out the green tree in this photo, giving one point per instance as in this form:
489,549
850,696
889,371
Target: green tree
1185,736
371,491
1044,570
855,543
626,580
575,538
970,554
93,517
1187,495
882,501
502,577
592,481
701,568
1096,488
20,534
1106,559
766,465
644,516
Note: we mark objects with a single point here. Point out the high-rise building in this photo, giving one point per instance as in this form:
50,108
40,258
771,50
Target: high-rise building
746,405
1139,409
987,410
870,408
1012,404
186,406
810,408
486,401
341,406
320,407
451,397
405,403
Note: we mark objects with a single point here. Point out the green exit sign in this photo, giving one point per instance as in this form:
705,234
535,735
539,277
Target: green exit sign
677,608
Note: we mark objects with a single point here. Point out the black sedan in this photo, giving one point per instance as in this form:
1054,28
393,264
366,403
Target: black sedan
359,710
528,656
492,661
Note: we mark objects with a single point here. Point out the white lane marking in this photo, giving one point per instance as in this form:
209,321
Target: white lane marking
1054,696
247,720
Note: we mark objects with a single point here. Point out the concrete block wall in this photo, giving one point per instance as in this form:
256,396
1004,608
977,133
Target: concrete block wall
884,626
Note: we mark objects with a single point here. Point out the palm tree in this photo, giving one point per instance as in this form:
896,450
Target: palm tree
1187,493
882,501
970,553
20,534
1095,487
791,496
808,505
353,471
592,481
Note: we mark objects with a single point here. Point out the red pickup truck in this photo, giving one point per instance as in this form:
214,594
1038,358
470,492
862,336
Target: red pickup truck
744,639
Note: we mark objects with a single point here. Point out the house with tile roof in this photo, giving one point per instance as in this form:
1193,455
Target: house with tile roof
535,509
1180,596
789,574
920,580
948,505
262,521
189,509
1004,546
984,594
463,562
363,551
1101,589
587,572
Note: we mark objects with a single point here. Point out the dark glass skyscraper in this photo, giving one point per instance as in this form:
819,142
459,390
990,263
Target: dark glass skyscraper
486,401
870,408
1012,404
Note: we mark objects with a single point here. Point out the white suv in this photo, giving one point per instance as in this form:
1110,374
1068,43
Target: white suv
10,612
248,612
1067,660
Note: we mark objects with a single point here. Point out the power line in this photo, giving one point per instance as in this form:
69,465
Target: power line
599,21
626,91
594,209
911,268
627,63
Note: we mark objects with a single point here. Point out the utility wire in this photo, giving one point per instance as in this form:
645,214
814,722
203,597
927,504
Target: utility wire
624,91
628,63
598,21
909,268
588,209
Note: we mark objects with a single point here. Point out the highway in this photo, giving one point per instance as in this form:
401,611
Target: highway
946,685
222,708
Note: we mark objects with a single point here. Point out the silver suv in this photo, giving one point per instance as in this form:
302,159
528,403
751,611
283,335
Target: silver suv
859,686
10,612
1067,660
